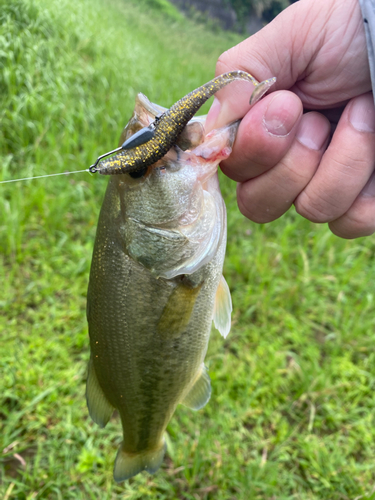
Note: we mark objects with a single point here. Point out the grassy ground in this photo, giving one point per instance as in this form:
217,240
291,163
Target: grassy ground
291,416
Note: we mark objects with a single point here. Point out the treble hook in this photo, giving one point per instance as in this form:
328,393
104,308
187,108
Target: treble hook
140,137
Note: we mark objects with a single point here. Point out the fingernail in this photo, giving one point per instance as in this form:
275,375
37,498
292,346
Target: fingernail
362,113
212,115
311,132
280,115
369,189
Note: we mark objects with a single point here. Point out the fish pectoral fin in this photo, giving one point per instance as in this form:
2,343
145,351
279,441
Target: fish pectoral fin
99,408
223,308
128,465
200,392
177,311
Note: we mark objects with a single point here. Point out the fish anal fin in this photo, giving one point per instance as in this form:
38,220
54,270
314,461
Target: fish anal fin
177,312
99,408
200,392
128,465
223,308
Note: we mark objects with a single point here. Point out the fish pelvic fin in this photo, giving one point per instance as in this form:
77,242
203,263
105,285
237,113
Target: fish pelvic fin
200,392
99,408
223,308
128,465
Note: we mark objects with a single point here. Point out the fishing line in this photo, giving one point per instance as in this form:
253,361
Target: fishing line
47,175
140,137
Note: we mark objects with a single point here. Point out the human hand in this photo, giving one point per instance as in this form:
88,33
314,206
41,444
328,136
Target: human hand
317,51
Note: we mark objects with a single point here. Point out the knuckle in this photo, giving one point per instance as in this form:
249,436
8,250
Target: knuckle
224,63
349,165
254,216
260,212
313,208
242,206
354,224
292,176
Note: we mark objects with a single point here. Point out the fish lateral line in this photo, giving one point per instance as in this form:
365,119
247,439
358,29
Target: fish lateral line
151,143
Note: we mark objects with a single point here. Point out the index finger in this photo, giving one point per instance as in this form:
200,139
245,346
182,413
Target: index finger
259,56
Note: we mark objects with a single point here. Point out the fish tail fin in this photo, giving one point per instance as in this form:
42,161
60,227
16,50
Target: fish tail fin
128,465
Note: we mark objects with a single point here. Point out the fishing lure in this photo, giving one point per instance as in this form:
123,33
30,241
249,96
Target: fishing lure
140,137
151,143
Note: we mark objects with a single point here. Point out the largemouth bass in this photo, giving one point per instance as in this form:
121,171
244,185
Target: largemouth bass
156,279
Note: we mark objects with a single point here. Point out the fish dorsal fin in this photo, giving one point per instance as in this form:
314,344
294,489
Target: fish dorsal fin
223,308
143,103
144,113
99,408
200,392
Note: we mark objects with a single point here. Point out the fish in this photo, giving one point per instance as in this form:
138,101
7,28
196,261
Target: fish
156,282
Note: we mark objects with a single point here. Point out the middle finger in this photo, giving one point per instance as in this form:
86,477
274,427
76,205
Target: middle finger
345,167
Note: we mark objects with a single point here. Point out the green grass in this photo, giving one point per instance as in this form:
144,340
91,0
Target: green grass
291,415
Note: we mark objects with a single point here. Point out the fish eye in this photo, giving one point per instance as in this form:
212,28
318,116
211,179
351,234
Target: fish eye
138,173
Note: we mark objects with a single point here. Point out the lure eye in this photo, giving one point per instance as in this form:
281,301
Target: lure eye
138,173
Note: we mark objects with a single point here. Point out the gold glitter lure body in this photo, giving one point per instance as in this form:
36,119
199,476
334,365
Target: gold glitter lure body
169,125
